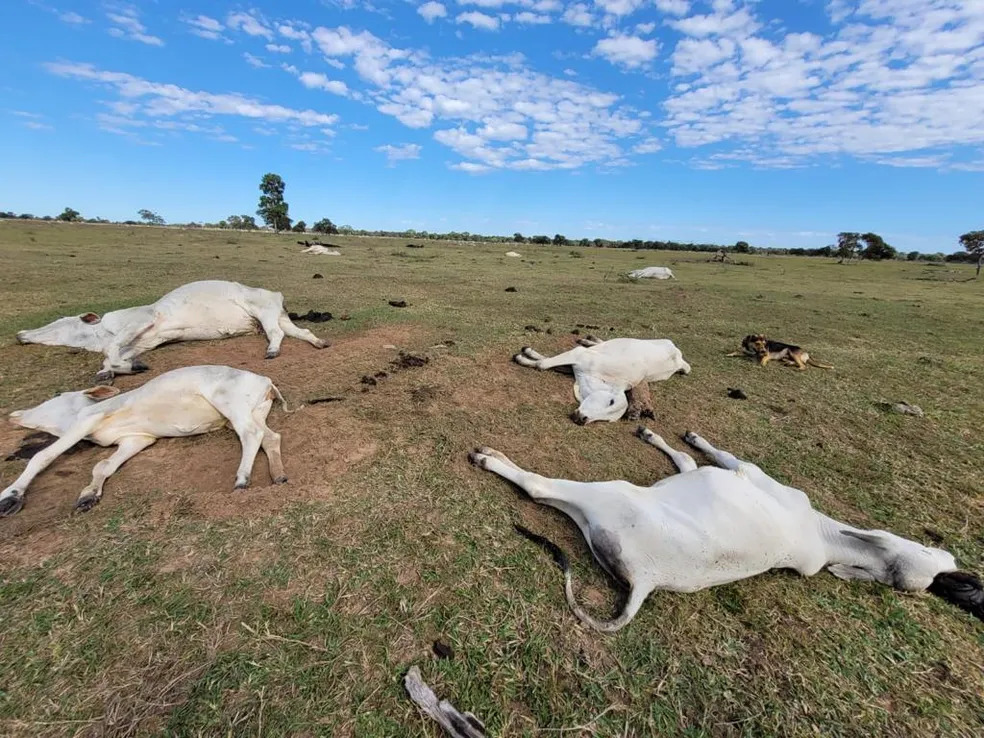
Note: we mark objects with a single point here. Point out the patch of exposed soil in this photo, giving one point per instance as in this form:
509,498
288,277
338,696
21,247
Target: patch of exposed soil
193,477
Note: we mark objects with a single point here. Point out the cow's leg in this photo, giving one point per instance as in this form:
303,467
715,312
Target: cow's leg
127,345
543,363
683,461
574,498
270,322
12,498
304,334
270,443
640,402
588,341
721,458
127,448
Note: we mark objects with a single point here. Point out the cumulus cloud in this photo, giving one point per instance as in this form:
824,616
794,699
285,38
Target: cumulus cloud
255,61
399,153
479,20
126,24
628,51
578,14
431,11
494,112
278,48
300,35
619,7
249,24
318,81
205,27
899,76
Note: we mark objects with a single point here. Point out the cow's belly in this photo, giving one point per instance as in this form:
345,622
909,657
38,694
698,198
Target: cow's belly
206,322
166,417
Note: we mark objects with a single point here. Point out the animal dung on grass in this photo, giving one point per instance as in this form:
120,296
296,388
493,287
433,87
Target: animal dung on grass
736,393
311,316
399,303
510,289
317,276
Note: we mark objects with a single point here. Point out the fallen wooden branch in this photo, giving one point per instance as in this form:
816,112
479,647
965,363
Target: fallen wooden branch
455,724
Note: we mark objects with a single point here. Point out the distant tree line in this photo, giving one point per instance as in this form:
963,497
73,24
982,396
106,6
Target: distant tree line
274,211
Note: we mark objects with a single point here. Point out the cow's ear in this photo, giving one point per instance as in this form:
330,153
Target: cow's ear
101,392
90,318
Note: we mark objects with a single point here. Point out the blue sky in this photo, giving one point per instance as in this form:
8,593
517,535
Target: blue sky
779,122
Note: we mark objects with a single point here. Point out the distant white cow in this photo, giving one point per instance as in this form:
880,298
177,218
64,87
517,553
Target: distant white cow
319,249
708,526
605,370
183,402
513,254
652,273
193,312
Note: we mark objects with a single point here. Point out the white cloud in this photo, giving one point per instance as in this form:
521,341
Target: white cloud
629,51
479,20
399,153
318,81
894,77
249,24
493,111
578,14
528,18
153,101
296,34
255,61
648,146
126,24
73,18
674,7
37,125
206,27
619,7
278,48
431,11
471,167
645,28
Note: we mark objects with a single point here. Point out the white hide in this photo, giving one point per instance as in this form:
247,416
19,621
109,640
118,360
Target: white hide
317,249
708,526
605,370
198,311
652,273
183,402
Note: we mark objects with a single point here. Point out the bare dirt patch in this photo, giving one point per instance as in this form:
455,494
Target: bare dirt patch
193,477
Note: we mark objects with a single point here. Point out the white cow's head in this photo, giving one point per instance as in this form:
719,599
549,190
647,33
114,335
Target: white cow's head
57,415
79,331
598,401
890,559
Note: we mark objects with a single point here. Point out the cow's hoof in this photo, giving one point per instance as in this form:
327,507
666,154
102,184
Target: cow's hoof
477,457
240,486
642,431
282,479
138,366
104,377
690,437
322,345
84,504
272,354
11,505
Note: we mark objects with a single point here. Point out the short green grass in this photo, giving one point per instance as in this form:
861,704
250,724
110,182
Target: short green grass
124,622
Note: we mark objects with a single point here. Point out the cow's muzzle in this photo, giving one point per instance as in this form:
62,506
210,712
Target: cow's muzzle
579,419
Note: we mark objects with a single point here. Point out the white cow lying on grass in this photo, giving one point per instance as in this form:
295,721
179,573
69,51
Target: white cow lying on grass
652,273
183,402
708,526
605,370
319,249
198,311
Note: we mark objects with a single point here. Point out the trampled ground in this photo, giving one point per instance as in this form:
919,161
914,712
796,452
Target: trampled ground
179,607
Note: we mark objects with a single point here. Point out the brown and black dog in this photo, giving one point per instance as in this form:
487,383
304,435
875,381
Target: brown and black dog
765,350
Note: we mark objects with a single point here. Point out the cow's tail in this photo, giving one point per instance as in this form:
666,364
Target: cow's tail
606,626
283,402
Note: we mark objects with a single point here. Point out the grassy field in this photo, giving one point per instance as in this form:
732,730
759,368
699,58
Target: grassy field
177,607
